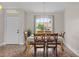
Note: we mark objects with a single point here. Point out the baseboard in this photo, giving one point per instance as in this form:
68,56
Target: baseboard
10,43
14,43
71,49
2,44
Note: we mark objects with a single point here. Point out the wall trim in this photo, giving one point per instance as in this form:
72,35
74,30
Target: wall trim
10,43
13,43
68,46
2,44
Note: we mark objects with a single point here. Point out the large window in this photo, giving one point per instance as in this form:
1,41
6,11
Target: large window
44,23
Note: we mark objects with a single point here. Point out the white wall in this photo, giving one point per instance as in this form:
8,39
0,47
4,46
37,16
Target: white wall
1,27
29,19
72,28
58,18
59,21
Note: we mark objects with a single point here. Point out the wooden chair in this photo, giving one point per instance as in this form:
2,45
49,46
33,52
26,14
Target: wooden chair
27,45
39,42
52,42
62,34
61,43
25,41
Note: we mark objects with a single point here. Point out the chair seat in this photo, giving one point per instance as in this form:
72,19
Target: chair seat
51,42
51,46
39,46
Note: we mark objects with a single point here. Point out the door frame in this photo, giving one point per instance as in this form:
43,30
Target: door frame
5,26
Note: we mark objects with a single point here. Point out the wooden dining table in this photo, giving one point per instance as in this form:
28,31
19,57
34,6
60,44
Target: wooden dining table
31,39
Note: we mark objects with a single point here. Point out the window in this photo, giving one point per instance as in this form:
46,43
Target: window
44,23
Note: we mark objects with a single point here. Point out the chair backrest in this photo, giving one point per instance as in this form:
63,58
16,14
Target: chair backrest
25,36
39,37
62,34
52,37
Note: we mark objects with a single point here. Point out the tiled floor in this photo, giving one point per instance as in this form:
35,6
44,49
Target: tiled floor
17,51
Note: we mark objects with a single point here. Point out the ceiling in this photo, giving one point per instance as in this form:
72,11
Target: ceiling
37,6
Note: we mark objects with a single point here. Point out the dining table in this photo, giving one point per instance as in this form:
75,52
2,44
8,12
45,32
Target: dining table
31,39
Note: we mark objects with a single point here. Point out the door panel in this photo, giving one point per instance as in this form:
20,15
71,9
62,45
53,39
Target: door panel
12,29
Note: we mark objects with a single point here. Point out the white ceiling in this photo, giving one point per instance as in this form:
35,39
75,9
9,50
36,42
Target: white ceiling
37,6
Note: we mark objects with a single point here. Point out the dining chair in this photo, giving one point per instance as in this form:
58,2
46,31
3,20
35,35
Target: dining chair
25,43
61,43
61,34
39,42
52,43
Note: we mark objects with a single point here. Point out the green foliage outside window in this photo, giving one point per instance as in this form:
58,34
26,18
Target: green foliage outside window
40,26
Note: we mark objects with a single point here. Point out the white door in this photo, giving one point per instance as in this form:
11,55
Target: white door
12,30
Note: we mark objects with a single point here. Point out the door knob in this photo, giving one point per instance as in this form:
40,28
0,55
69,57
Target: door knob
17,31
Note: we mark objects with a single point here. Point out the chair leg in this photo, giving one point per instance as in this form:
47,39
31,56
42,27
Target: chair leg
46,51
54,52
34,51
62,48
25,50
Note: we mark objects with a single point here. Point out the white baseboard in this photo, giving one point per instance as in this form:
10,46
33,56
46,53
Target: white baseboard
13,43
72,49
10,43
2,44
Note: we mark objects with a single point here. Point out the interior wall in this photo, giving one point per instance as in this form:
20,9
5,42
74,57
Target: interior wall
58,19
72,28
1,27
29,19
